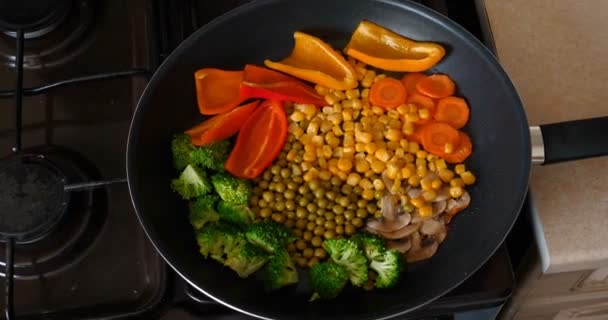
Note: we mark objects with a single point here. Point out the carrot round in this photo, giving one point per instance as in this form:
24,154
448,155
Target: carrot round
453,111
409,80
436,86
435,135
462,152
387,93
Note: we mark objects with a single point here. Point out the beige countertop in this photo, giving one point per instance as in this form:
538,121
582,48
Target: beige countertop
556,53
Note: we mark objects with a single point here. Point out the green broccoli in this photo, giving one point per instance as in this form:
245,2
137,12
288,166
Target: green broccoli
372,245
212,156
181,147
246,259
219,240
231,189
388,267
236,213
192,183
327,280
202,210
346,253
280,271
269,235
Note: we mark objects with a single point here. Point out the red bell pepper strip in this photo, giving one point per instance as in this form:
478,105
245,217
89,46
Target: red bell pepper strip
259,141
221,126
217,91
260,82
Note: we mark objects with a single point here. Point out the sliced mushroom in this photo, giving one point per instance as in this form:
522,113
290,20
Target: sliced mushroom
389,208
416,241
414,193
456,205
416,217
402,245
439,207
383,225
441,235
422,253
387,182
431,227
443,194
401,233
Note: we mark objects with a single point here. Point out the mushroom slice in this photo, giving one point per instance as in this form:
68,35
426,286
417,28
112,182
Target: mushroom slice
387,182
443,194
422,253
402,245
439,207
389,208
431,227
456,205
414,193
401,233
383,225
441,235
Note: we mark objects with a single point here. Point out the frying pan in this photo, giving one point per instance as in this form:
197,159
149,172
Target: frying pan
263,30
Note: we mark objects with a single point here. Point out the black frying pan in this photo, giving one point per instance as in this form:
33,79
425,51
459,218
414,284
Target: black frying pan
263,30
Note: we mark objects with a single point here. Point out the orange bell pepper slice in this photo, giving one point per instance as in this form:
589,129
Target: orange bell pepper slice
259,142
217,91
221,126
316,61
387,50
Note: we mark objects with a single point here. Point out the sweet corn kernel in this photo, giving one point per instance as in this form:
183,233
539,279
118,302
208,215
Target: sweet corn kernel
382,155
377,166
364,137
305,165
309,156
459,169
403,143
352,93
366,184
342,175
325,126
348,126
424,113
359,147
406,172
431,157
369,174
393,135
313,128
297,116
426,183
448,148
468,177
310,175
445,174
337,107
420,162
414,181
426,211
421,154
291,155
395,124
396,188
412,108
431,166
378,184
357,105
367,194
402,109
377,110
364,93
392,171
340,94
345,165
429,195
440,164
347,115
353,179
370,148
321,90
421,171
417,202
298,132
408,128
399,153
411,117
394,146
325,175
457,182
317,140
337,131
327,110
409,158
335,118
413,147
436,184
361,166
456,192
331,98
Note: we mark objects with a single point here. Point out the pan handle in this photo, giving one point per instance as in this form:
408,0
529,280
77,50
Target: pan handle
570,140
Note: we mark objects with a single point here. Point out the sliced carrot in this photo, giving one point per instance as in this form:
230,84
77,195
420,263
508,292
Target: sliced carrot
409,80
436,86
453,111
462,152
422,101
221,126
387,93
435,135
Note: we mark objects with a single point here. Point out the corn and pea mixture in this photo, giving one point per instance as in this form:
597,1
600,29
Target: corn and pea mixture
328,178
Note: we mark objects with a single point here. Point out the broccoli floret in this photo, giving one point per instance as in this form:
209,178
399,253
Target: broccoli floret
219,240
246,259
269,235
181,147
346,253
372,245
212,156
280,271
231,189
327,280
192,183
202,210
388,267
236,213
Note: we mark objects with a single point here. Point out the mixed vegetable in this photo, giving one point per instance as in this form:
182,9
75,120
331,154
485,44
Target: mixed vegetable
351,178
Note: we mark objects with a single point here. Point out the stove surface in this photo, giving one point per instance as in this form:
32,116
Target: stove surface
97,261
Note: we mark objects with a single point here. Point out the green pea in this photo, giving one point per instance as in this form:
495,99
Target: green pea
331,195
322,203
279,206
290,205
280,187
349,215
268,196
289,194
357,222
338,209
302,201
303,189
339,220
320,221
311,207
362,213
301,224
285,173
301,213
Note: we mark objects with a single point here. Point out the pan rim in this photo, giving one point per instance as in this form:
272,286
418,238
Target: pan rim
429,14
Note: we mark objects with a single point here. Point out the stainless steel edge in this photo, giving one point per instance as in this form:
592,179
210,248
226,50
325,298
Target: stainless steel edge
538,146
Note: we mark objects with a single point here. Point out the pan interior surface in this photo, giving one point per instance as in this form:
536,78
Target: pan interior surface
264,30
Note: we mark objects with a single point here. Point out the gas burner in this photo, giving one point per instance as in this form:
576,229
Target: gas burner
59,36
34,17
75,219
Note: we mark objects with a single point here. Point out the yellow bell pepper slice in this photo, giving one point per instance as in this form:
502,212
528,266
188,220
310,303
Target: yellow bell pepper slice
387,50
316,61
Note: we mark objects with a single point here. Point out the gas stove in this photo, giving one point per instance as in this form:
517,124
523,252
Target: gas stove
71,72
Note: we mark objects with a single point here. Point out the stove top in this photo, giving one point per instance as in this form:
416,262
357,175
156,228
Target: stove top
84,66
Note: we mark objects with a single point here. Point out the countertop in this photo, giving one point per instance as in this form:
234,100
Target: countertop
556,53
